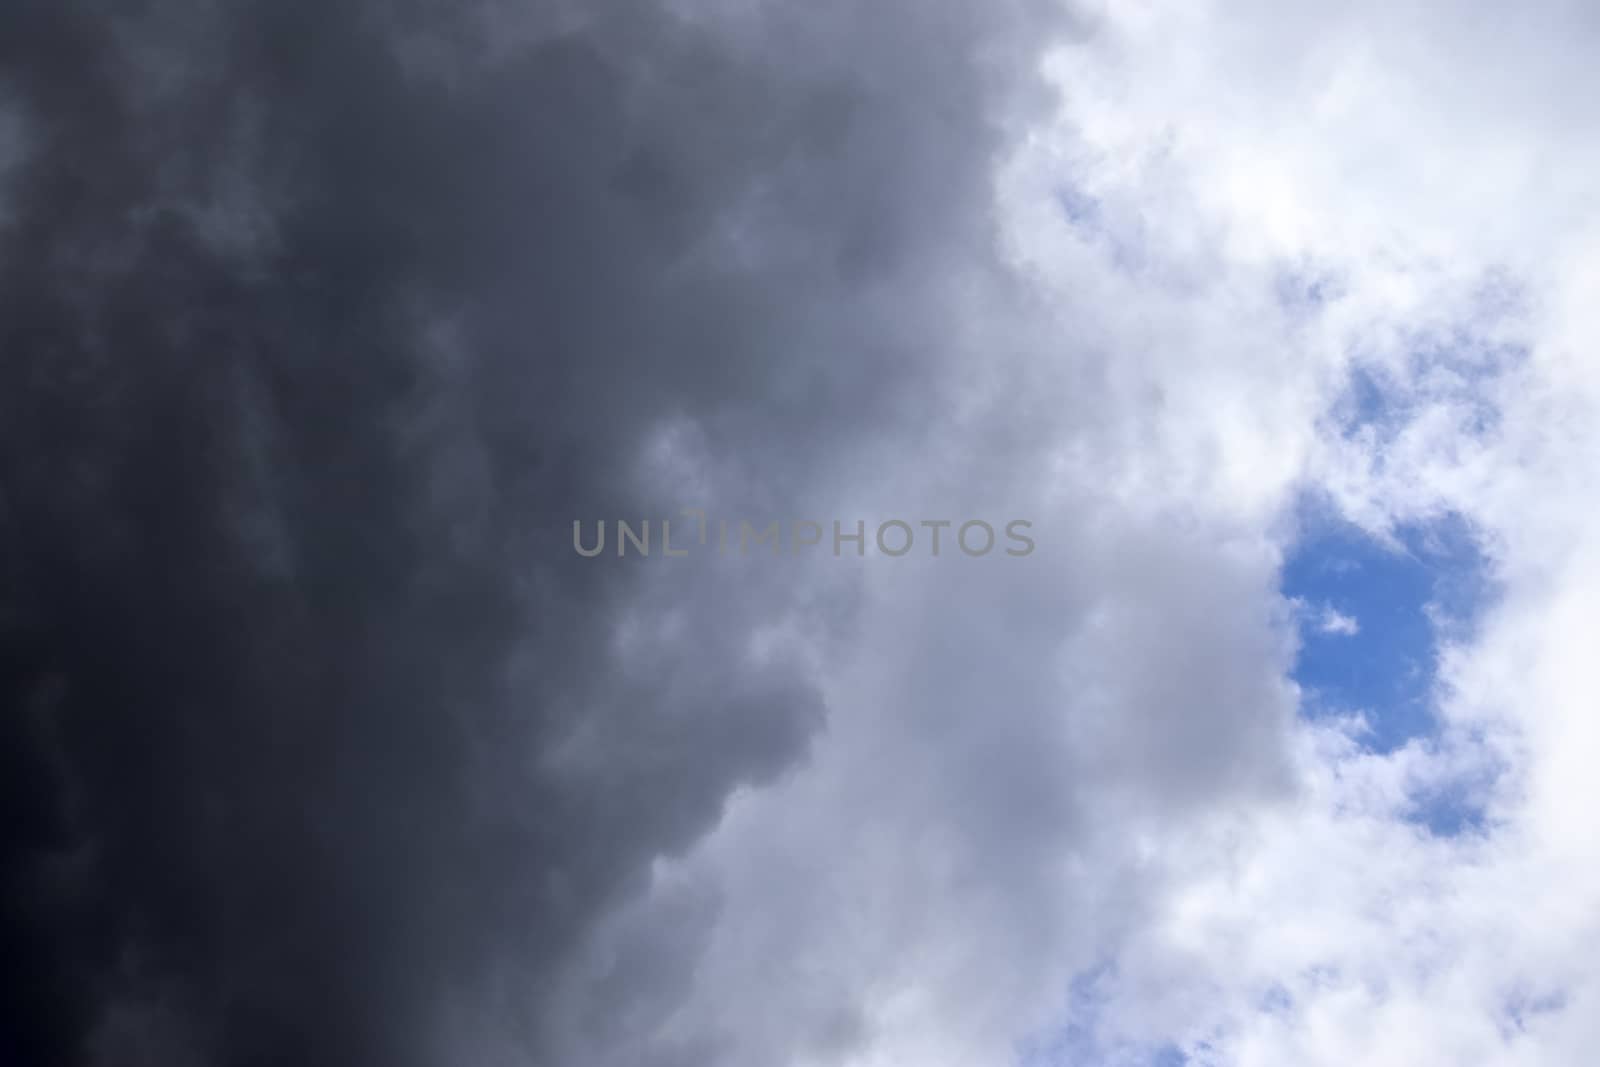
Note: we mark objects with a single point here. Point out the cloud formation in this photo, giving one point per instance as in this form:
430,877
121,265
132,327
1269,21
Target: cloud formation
322,326
323,323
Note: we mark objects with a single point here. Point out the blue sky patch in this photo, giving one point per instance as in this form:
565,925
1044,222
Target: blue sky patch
1080,1042
1372,617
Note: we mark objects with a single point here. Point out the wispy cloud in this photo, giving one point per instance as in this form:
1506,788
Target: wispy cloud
1332,622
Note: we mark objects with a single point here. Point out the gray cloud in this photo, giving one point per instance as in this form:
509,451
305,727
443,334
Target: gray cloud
322,323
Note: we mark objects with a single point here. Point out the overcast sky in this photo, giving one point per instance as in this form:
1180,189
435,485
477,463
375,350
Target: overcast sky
322,325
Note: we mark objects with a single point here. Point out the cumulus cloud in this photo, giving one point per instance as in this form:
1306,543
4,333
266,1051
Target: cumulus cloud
1375,166
324,323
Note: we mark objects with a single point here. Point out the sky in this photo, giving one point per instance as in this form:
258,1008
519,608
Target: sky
322,325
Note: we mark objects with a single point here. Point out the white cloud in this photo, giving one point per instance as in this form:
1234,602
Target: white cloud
1334,622
1431,163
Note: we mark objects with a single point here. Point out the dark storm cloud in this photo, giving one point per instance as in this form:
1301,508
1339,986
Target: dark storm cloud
320,323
